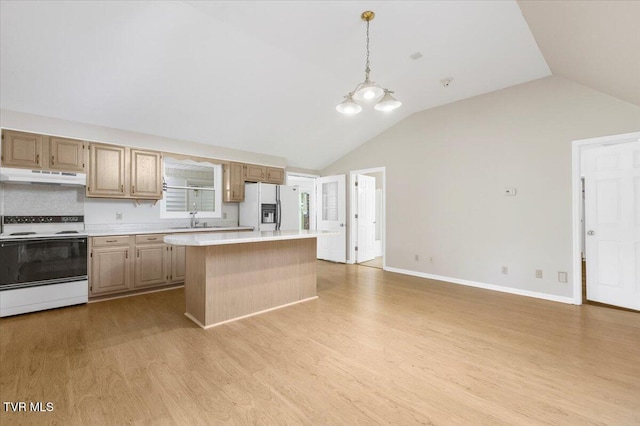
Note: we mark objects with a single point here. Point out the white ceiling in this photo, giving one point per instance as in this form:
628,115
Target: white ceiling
258,76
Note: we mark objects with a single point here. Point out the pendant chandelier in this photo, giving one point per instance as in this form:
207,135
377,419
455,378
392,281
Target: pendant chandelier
368,91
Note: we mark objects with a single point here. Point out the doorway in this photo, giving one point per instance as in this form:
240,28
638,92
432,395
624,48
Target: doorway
606,220
306,185
367,190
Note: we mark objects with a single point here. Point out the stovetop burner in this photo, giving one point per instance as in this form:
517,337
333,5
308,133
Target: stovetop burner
23,233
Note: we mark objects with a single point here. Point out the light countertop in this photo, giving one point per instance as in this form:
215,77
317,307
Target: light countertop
211,239
174,230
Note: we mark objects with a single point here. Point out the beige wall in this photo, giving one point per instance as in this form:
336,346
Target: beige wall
53,126
447,167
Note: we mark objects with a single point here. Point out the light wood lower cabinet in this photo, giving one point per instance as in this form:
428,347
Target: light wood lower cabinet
119,264
110,270
177,256
151,265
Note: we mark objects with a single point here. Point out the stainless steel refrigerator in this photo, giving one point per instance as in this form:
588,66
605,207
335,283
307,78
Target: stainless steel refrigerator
269,207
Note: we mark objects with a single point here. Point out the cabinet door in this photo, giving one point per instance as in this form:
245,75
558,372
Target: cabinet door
106,171
146,174
255,173
275,175
150,266
66,154
234,182
110,271
178,263
21,149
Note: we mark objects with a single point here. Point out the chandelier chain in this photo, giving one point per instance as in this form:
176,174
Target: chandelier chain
367,70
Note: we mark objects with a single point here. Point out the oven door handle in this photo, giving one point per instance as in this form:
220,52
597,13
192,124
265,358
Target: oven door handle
20,242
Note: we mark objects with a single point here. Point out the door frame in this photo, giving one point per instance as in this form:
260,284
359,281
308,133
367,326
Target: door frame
353,203
577,149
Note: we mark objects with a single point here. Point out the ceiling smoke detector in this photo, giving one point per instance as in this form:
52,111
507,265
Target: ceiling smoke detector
416,55
446,81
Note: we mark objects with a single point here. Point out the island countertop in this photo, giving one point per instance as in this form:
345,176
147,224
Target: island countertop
222,238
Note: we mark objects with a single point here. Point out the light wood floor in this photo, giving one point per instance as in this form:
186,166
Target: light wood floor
375,263
375,348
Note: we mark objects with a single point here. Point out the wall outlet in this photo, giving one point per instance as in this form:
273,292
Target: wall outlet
505,270
562,277
510,191
224,215
417,257
538,273
430,259
118,215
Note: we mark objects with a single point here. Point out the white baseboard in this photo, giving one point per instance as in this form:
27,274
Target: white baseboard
511,290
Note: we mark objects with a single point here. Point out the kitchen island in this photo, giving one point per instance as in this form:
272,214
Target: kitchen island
233,275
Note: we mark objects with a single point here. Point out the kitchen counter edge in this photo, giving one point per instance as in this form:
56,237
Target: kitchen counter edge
213,239
104,232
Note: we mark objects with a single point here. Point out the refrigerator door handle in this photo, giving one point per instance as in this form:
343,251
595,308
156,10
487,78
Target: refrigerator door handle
278,208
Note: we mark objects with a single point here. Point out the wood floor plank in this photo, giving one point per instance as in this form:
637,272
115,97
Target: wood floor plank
374,348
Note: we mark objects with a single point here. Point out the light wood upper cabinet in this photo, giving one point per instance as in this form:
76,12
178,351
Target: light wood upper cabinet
121,172
233,182
106,171
66,154
254,173
21,149
151,267
275,175
146,174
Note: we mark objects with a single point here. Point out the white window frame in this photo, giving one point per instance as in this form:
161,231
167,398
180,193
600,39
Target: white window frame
217,186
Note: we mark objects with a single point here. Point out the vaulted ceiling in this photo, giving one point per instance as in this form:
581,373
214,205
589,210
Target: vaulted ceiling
265,76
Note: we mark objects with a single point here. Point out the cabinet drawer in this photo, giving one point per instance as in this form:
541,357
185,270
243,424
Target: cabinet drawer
115,240
150,238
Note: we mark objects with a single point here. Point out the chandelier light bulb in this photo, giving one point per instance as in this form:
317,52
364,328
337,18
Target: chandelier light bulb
388,102
348,106
367,92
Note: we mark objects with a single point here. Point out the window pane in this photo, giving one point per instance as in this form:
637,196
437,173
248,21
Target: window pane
330,201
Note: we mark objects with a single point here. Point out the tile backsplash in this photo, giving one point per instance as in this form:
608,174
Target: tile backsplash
41,200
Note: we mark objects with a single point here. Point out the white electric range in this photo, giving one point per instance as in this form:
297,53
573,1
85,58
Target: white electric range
43,263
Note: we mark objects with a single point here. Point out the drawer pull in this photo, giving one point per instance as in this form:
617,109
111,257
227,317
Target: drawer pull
53,159
152,239
112,241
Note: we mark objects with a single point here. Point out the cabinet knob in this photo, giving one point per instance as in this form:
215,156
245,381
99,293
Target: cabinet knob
53,159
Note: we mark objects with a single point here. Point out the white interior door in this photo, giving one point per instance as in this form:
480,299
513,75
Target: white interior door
331,203
612,223
366,219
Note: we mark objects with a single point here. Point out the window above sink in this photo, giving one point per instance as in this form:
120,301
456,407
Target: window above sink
190,184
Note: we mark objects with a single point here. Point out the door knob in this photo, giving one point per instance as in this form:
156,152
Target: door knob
591,232
342,225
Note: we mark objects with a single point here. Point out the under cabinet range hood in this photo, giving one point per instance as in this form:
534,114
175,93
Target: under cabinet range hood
46,177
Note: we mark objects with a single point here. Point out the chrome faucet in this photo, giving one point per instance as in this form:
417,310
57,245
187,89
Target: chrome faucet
193,213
